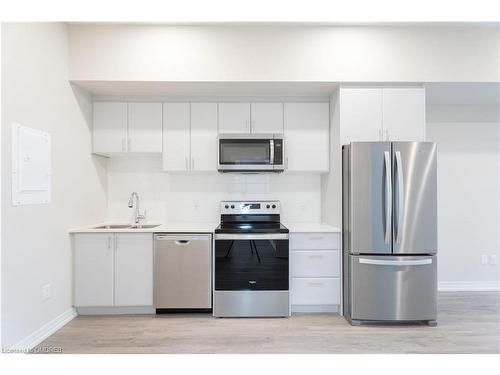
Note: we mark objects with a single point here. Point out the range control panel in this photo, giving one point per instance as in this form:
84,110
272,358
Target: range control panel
249,207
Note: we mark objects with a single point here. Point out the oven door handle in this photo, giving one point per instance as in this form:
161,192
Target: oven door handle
251,236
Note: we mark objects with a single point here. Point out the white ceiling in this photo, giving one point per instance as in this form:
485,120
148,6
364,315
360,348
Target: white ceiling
156,88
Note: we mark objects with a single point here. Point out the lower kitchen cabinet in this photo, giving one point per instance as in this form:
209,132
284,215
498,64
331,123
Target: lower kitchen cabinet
133,269
93,269
315,260
113,269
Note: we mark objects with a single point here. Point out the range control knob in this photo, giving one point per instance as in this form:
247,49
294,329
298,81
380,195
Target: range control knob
268,206
226,206
274,206
232,206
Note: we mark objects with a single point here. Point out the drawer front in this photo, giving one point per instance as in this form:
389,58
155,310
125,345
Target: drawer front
315,291
315,241
309,263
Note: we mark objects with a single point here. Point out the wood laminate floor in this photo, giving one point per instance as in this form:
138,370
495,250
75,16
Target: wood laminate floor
467,323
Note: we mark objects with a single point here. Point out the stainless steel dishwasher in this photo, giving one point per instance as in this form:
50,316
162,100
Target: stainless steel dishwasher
182,272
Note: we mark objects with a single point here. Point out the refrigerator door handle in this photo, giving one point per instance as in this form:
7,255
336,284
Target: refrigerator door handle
388,197
401,193
380,262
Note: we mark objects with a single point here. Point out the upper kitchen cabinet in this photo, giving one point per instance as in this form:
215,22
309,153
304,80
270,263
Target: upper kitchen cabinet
110,127
306,129
360,114
404,114
267,118
144,127
382,114
234,117
176,137
203,136
127,127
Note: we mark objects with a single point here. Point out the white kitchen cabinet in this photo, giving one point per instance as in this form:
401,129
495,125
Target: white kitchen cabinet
93,269
234,117
109,127
404,114
307,141
382,114
267,118
144,127
133,269
360,114
113,269
203,136
315,264
176,136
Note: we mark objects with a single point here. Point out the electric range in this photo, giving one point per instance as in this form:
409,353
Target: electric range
251,261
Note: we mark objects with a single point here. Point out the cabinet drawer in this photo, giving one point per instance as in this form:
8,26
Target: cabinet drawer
309,263
315,241
315,291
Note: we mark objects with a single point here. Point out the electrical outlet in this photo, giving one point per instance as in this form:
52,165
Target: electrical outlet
493,259
46,292
484,259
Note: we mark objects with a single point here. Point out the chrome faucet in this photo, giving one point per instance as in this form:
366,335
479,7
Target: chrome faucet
137,215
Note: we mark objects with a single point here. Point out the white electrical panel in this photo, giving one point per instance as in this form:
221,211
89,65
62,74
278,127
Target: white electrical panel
31,166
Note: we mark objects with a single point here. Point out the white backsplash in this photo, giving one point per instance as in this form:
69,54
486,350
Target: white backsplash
196,196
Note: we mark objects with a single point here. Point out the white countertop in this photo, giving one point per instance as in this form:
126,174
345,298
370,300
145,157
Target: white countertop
191,227
175,227
310,227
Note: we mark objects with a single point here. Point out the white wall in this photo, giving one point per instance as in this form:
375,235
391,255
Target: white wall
284,53
35,244
468,192
169,197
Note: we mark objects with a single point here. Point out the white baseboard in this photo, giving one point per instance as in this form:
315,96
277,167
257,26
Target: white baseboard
469,286
44,331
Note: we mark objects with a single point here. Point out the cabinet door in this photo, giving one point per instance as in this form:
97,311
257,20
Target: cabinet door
110,127
176,136
204,136
267,118
307,136
93,268
144,127
360,115
133,269
404,114
234,117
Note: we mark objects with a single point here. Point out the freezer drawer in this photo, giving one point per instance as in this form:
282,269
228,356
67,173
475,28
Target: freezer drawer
396,288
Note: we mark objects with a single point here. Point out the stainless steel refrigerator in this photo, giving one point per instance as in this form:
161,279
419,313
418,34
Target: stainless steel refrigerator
389,210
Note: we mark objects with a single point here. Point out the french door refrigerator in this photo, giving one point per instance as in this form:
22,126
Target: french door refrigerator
389,210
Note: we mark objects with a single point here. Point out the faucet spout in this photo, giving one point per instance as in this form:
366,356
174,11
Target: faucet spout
137,215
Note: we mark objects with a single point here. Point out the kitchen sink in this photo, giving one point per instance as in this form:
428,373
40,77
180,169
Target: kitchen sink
127,226
113,226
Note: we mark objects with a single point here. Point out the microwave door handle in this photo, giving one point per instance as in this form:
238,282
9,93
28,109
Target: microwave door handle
271,151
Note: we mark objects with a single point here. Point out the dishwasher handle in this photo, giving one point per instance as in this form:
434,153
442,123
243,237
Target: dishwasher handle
182,239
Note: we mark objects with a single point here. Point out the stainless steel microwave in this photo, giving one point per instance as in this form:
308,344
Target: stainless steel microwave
250,153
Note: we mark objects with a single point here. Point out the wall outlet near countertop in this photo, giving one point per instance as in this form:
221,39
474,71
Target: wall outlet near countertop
494,259
46,292
484,259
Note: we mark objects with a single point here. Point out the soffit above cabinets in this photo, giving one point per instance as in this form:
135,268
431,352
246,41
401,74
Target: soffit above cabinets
219,89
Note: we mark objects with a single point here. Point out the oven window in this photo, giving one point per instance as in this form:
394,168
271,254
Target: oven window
244,151
251,265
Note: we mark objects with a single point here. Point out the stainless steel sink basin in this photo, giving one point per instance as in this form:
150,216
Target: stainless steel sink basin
127,226
113,226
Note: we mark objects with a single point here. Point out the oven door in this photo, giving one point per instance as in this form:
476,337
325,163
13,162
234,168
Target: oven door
251,261
245,153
